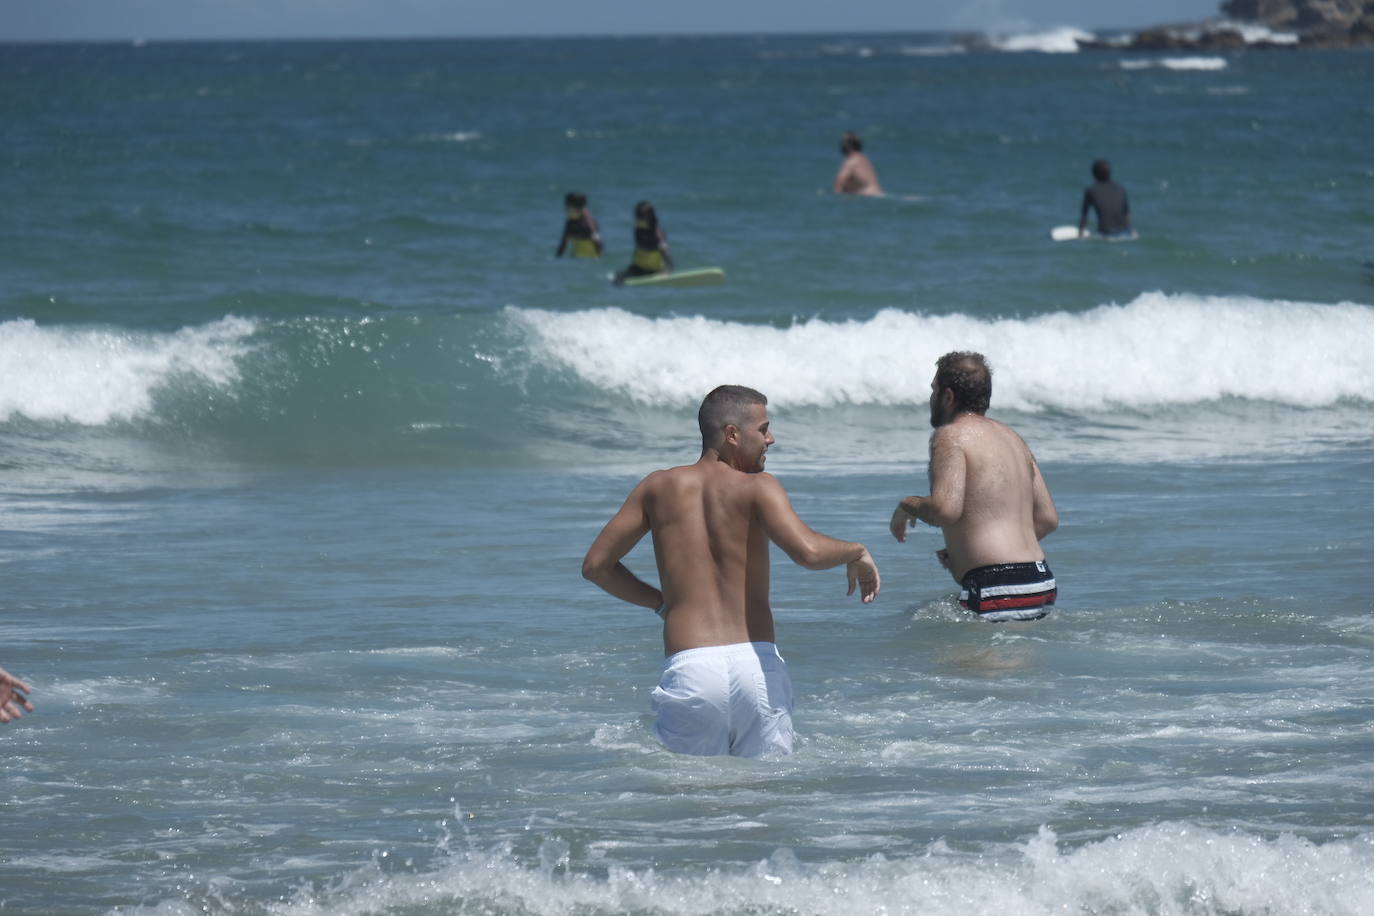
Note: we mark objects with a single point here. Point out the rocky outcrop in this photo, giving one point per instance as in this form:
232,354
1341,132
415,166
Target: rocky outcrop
1286,24
1195,38
1299,15
1317,23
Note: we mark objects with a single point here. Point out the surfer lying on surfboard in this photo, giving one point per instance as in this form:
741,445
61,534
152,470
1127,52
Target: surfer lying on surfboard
651,246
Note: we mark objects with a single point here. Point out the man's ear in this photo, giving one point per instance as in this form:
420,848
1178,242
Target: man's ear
947,397
730,434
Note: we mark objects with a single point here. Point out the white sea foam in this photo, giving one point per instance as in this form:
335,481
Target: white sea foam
1254,33
1176,63
94,376
104,691
1168,868
1250,32
455,136
1061,40
1158,351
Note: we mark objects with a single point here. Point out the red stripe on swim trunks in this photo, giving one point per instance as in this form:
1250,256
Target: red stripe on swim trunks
997,604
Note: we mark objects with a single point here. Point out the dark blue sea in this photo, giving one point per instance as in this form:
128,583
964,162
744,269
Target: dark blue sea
304,432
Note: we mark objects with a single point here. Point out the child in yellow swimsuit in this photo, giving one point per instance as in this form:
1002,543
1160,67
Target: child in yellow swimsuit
651,246
579,227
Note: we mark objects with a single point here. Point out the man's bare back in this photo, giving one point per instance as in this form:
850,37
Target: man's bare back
986,467
857,176
711,549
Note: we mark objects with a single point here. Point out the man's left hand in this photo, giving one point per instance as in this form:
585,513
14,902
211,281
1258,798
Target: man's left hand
901,520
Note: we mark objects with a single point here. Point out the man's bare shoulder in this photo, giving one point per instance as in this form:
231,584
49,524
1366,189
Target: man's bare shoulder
668,476
970,427
955,434
1003,429
976,435
765,482
723,478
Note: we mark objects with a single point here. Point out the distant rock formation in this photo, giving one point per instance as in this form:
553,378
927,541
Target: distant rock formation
1261,24
1323,23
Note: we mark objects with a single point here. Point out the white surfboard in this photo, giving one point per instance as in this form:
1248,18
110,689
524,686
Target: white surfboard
1070,234
702,276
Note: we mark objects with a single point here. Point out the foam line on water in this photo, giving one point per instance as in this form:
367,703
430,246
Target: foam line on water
1166,868
1159,350
94,376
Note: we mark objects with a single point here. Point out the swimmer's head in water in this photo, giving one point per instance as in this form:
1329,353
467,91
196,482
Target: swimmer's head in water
850,143
1102,170
574,201
969,377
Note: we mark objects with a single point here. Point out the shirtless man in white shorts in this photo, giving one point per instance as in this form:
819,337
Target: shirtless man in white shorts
724,688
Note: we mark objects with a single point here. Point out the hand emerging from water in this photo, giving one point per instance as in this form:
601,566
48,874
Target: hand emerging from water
863,573
13,702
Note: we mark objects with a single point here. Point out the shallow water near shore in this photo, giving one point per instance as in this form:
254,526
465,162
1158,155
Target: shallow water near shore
304,435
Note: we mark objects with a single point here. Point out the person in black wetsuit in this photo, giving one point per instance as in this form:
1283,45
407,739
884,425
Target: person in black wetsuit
1109,200
579,227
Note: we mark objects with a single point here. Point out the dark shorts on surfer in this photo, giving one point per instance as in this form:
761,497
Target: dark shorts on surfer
1009,591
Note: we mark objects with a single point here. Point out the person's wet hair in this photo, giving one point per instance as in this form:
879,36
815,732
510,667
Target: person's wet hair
969,376
1102,170
574,199
724,406
850,143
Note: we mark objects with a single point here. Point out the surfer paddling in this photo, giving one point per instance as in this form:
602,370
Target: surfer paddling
724,687
856,174
988,497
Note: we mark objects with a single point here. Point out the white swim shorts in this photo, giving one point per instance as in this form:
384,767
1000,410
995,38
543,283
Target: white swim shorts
734,699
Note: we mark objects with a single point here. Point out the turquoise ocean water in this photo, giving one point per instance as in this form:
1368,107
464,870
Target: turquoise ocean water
304,432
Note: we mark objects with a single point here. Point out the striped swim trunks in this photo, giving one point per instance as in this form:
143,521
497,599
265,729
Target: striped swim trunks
1009,591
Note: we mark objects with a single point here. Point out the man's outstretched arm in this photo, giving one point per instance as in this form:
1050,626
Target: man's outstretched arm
812,549
602,564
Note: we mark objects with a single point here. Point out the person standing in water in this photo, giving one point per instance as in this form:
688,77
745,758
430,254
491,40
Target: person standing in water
1109,200
987,496
579,228
856,174
724,688
651,246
